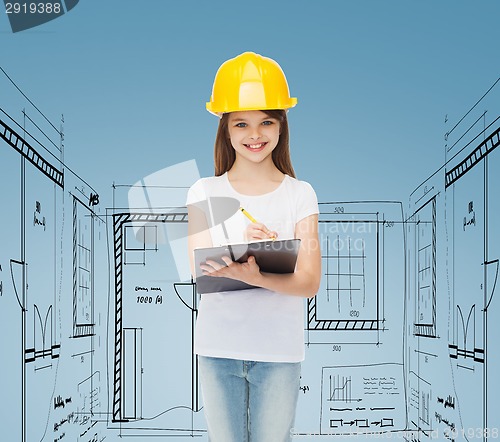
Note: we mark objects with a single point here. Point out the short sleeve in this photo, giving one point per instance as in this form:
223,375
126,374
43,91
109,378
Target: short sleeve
307,203
196,193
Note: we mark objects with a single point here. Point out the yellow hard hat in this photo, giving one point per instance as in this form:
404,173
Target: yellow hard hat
249,82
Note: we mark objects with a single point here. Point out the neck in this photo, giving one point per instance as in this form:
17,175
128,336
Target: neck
249,171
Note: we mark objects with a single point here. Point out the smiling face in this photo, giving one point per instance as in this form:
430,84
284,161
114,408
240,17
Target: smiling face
225,153
253,135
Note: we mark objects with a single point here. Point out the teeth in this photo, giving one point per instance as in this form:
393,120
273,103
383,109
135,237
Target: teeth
255,146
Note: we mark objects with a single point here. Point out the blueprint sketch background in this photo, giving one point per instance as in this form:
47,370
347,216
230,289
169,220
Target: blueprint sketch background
379,85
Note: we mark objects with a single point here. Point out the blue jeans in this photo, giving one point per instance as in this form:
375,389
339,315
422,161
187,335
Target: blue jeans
248,401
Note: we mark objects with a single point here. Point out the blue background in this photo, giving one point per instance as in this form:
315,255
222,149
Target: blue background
374,80
379,84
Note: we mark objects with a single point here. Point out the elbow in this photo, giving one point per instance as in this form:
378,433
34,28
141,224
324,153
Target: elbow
312,289
312,280
312,293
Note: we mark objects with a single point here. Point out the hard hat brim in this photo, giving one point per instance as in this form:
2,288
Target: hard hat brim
213,109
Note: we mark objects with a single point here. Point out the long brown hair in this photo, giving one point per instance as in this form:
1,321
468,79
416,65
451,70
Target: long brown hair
224,154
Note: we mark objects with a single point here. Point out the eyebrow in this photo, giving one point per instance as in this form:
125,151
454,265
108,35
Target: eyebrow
233,120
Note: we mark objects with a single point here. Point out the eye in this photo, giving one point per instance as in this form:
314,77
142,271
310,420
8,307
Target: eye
267,122
241,124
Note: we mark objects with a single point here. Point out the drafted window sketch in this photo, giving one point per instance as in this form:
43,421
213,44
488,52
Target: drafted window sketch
83,269
422,276
135,248
351,263
358,243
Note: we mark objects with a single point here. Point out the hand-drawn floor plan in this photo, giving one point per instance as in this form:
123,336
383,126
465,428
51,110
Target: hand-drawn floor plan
97,308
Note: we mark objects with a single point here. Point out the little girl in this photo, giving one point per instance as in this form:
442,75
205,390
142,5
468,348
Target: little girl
250,343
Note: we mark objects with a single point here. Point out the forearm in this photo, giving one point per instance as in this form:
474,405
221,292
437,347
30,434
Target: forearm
300,283
304,282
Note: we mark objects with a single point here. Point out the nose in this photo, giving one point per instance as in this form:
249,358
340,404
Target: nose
255,133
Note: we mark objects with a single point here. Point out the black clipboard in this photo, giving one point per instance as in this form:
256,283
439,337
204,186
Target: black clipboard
278,256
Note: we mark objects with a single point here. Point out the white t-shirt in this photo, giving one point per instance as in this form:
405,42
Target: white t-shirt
254,324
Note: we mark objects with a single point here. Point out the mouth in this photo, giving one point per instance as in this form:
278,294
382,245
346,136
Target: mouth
257,147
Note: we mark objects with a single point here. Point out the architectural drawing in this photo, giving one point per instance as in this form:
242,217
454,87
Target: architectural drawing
471,185
358,240
97,306
452,271
155,387
149,390
357,312
358,399
48,286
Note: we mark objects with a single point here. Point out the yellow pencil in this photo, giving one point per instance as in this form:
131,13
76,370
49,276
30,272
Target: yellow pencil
251,218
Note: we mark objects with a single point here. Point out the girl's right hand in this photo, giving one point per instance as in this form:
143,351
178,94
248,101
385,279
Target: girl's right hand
258,231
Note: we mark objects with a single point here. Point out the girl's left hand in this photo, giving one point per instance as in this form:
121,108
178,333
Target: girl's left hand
248,272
